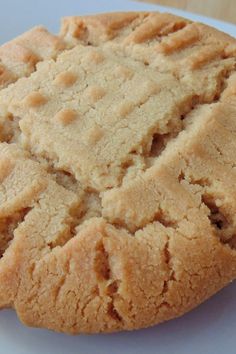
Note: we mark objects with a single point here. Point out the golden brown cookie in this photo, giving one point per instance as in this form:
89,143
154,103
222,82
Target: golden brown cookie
117,178
19,57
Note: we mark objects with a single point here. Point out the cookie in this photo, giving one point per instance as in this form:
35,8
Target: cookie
117,185
18,58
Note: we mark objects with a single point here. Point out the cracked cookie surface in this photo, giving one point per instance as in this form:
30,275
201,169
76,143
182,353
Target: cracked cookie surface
117,179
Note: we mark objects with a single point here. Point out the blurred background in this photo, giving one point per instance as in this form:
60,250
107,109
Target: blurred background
17,16
221,9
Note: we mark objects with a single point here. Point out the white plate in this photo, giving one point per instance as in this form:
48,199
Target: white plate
208,329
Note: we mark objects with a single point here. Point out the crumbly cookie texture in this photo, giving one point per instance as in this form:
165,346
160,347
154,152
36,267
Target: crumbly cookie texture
19,57
117,178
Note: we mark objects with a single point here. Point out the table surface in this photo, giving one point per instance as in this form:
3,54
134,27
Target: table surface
222,9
